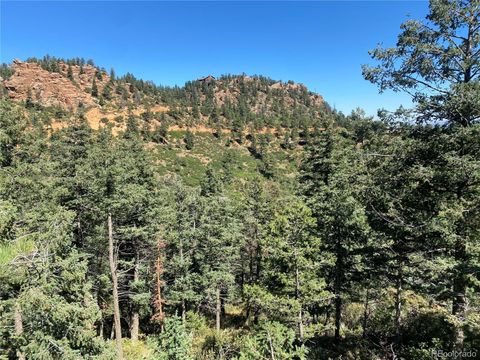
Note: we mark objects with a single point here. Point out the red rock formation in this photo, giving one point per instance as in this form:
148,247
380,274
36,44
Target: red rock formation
51,88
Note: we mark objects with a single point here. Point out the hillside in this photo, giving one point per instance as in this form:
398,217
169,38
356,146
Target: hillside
257,123
231,102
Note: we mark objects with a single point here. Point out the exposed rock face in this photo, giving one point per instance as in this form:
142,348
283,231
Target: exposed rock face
230,91
51,88
47,88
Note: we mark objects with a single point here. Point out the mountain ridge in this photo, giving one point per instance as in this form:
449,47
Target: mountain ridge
228,102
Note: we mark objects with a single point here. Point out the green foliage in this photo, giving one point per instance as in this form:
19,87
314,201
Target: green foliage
5,71
94,91
435,61
174,342
272,340
107,92
266,167
368,250
69,73
189,142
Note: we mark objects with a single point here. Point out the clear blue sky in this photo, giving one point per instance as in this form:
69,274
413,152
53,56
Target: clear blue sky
320,44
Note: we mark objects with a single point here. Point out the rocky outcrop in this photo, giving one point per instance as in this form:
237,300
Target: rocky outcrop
230,90
30,80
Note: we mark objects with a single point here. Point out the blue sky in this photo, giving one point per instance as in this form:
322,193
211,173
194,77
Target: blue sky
321,44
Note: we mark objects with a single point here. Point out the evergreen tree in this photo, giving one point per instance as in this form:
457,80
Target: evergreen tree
107,92
174,343
70,73
94,90
189,142
291,268
181,237
332,183
217,254
257,213
437,62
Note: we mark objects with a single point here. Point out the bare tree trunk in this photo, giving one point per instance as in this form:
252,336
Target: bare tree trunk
135,320
116,308
270,343
100,329
300,324
18,327
218,309
112,331
247,313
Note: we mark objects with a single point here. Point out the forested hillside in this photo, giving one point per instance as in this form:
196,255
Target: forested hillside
242,217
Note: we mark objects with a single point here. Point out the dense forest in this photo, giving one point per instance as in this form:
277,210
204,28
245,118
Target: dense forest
328,237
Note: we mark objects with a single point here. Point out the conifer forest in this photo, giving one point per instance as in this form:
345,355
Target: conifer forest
240,217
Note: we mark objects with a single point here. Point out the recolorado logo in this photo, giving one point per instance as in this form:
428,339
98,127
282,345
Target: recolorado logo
441,354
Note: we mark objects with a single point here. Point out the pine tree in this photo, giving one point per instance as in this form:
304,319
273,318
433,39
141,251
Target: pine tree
189,142
211,184
70,73
94,90
293,248
257,213
107,92
181,238
437,62
331,185
217,254
46,296
174,343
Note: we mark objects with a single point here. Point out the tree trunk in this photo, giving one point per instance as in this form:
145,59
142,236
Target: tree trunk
18,327
116,308
135,319
300,324
459,303
223,296
218,310
112,330
270,344
247,314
